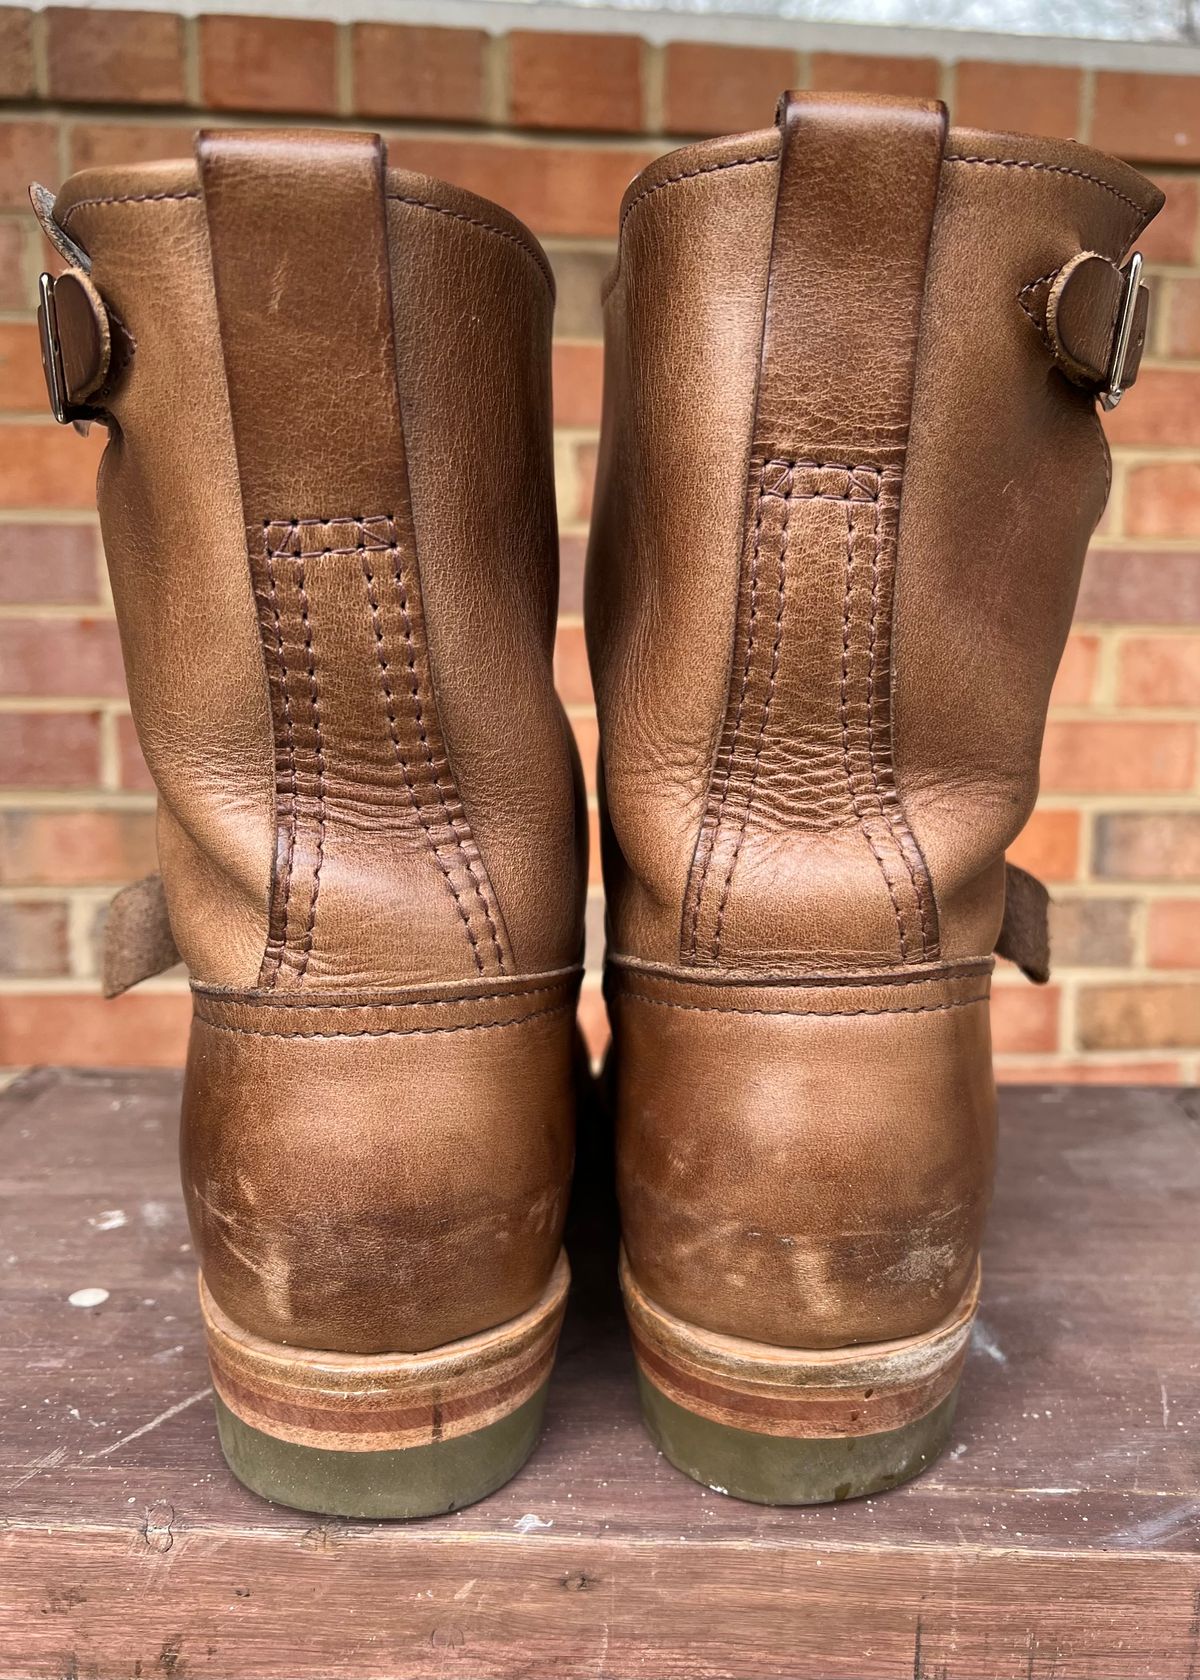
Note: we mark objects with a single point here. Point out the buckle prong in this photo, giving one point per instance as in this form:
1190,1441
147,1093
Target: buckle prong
1114,386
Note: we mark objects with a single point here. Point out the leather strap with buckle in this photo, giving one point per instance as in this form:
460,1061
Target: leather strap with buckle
77,347
1093,314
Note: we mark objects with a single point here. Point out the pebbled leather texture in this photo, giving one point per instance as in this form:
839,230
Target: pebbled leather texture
327,503
843,498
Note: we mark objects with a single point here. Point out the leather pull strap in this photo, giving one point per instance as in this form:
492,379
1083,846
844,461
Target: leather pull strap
138,942
1024,936
302,274
858,182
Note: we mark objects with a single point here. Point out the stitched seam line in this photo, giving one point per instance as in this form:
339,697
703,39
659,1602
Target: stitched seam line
1031,287
319,754
844,714
801,1014
419,716
690,175
392,1032
285,1002
402,758
741,706
766,713
291,751
1048,169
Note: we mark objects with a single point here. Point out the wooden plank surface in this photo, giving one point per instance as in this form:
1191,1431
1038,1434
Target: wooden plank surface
1060,1538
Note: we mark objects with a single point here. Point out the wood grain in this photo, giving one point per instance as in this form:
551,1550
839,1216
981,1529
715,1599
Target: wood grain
1060,1538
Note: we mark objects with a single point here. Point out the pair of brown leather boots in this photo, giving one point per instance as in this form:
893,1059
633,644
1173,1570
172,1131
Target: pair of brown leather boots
851,459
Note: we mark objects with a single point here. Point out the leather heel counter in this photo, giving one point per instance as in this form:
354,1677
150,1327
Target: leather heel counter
380,1175
807,1164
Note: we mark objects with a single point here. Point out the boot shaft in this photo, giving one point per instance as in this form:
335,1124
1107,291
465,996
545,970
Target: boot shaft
849,472
328,512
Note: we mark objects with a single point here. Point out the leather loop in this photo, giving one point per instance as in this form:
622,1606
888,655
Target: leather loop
1080,311
138,942
1024,936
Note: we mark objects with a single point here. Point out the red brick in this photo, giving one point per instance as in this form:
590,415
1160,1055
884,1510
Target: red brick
60,656
1162,499
268,64
1173,933
1118,757
16,290
83,848
49,749
1088,1073
578,384
1123,586
48,466
1148,118
28,152
579,274
33,939
135,777
1148,846
1159,671
1048,845
571,191
595,875
587,738
1181,318
917,78
1026,98
1025,1017
572,556
1076,679
113,57
103,144
1088,931
48,564
593,1022
17,79
1172,235
1139,1017
711,88
82,1029
571,674
585,457
1164,410
21,380
416,70
575,81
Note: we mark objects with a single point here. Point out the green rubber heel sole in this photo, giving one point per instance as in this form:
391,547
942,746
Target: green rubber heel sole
422,1481
784,1470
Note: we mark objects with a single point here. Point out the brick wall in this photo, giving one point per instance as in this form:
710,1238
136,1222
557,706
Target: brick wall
554,126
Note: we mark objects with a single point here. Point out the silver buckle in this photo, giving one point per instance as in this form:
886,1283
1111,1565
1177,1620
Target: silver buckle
61,406
1114,385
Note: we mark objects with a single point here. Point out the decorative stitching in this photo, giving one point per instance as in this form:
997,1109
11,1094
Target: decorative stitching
392,1032
291,750
123,198
401,756
801,1014
844,710
690,175
1048,169
283,1001
737,722
1032,286
419,716
789,480
319,754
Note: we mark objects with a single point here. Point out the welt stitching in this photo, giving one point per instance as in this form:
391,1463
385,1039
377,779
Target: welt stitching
394,1032
766,713
319,754
844,716
291,750
741,705
885,809
285,1002
402,759
801,1014
419,716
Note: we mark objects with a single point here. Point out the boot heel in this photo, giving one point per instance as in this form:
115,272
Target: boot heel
383,1435
786,1426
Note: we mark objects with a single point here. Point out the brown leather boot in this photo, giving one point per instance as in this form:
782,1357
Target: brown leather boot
328,509
850,464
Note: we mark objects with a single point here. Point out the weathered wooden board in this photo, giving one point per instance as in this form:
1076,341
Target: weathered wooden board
1060,1538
